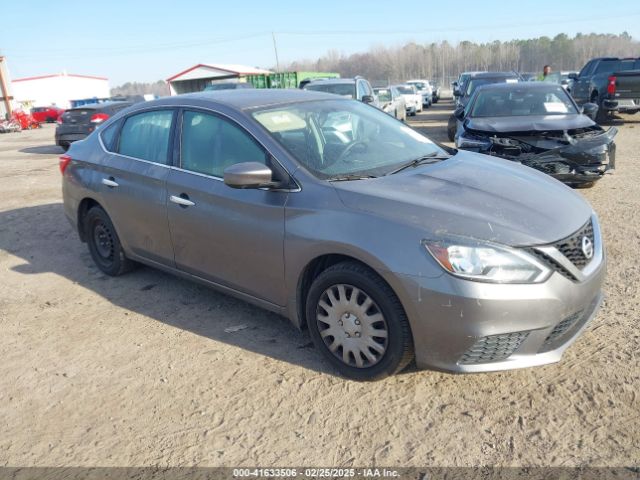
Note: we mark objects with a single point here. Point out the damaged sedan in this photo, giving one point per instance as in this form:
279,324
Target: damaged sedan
540,126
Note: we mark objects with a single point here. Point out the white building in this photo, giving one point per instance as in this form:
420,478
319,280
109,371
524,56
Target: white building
58,89
196,78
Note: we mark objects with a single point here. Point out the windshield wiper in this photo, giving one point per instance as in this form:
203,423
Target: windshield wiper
346,178
424,160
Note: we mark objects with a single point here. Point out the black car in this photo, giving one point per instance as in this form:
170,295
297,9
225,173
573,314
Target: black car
612,83
464,92
539,125
77,123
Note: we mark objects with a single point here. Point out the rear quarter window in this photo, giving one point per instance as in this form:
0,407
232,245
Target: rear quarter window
108,136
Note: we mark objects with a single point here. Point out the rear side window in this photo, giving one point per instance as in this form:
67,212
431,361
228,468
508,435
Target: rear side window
146,136
210,144
608,66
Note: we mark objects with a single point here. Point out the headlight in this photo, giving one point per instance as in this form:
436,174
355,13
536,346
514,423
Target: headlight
486,262
468,140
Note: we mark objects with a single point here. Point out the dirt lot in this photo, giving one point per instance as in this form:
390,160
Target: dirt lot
139,370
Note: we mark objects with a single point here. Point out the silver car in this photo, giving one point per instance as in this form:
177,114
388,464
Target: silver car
385,245
391,102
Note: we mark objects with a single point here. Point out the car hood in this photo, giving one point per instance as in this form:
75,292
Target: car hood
529,123
473,195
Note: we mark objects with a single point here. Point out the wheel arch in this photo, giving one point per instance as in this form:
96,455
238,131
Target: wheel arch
314,268
84,206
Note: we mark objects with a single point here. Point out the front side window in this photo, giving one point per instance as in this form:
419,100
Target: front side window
384,95
146,136
210,144
586,70
335,138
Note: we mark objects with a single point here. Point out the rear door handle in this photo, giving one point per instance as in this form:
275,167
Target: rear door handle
109,182
183,201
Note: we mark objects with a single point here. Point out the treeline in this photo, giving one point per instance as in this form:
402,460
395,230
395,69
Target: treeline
159,88
444,61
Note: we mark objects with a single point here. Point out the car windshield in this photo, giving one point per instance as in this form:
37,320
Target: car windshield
474,83
405,90
522,102
419,85
338,138
384,95
344,89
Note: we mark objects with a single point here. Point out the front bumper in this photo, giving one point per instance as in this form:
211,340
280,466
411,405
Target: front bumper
464,326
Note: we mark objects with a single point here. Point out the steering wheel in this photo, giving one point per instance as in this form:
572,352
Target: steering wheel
347,151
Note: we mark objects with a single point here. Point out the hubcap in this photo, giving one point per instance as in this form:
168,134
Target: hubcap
103,241
352,326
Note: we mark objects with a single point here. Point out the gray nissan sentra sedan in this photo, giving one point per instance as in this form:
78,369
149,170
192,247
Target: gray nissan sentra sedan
382,243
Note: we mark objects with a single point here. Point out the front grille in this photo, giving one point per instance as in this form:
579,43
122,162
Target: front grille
550,262
493,348
560,329
571,247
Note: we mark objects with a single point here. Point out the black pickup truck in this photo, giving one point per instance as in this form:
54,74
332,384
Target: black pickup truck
611,83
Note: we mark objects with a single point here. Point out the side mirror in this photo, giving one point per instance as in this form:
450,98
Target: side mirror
455,84
590,110
457,92
368,99
459,113
573,76
248,175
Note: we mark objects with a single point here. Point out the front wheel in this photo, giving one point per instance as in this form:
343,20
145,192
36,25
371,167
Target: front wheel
104,243
452,126
358,323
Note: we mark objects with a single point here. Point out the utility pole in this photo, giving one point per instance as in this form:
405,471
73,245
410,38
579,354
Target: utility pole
4,90
275,48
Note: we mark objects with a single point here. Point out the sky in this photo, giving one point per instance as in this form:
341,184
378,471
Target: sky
141,40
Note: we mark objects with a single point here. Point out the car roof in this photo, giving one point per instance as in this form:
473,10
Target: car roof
494,75
519,86
324,81
97,106
241,99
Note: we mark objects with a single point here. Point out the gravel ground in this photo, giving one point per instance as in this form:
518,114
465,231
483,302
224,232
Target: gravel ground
139,370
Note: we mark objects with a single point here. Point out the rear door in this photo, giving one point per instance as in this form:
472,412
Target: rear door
228,236
133,183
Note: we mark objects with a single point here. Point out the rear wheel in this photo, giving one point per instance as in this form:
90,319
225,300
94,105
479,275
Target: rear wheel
602,115
358,323
104,243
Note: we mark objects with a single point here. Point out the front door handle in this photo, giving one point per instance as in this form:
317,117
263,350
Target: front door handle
109,182
183,201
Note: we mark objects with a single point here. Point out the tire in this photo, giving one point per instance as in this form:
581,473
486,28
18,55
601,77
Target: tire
451,128
104,243
348,320
602,115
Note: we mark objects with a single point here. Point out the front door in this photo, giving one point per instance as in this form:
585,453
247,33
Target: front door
225,235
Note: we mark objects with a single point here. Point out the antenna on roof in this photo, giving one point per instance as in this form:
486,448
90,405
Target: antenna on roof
275,48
